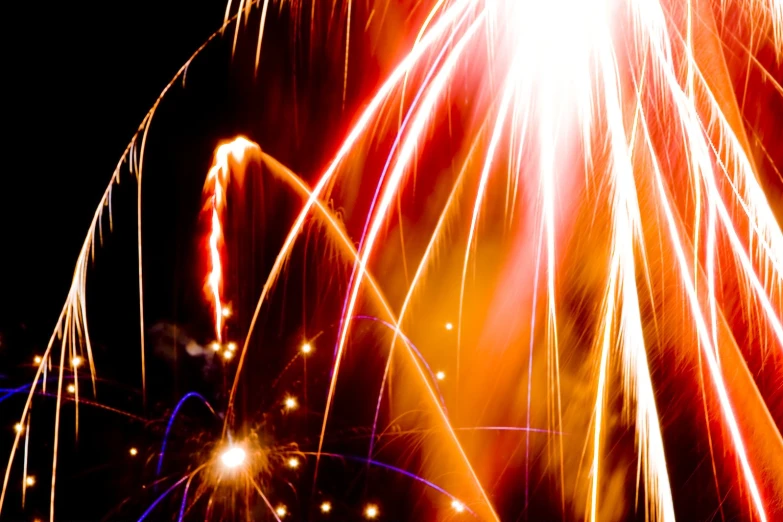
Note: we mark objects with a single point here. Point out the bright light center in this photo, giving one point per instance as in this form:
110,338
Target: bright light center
458,506
233,457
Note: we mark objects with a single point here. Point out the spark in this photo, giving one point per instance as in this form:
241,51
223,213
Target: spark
18,427
326,507
290,403
37,359
29,481
71,388
216,187
307,348
228,354
449,326
215,346
371,511
293,463
281,511
76,361
232,347
440,375
133,452
233,457
458,506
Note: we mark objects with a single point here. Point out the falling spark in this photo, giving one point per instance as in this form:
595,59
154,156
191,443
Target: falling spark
216,188
326,507
133,452
371,511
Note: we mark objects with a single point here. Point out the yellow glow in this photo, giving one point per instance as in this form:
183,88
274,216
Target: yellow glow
440,375
76,361
458,506
449,326
228,355
293,463
232,347
226,312
233,457
371,511
18,427
307,348
30,481
326,507
215,346
281,510
133,452
71,388
37,359
290,403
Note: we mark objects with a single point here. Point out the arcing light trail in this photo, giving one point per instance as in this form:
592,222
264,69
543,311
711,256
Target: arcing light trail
632,86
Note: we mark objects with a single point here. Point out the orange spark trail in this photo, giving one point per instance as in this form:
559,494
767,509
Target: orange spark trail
216,187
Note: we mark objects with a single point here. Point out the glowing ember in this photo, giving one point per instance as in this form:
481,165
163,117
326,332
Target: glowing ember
371,511
233,457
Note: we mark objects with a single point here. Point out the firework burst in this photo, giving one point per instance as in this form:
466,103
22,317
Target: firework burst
597,141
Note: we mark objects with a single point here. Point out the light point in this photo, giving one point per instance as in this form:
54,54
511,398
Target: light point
449,326
215,346
18,427
440,375
281,510
233,457
458,506
307,348
290,403
226,311
76,361
227,355
232,347
326,507
133,452
371,511
37,359
30,481
293,463
71,388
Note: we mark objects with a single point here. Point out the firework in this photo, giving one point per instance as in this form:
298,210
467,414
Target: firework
600,143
